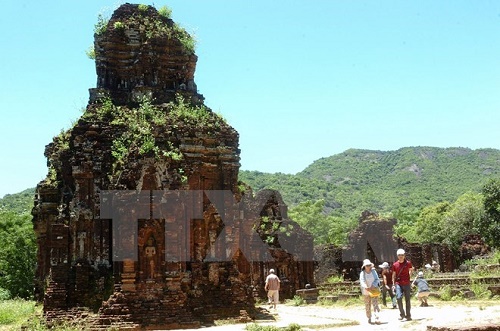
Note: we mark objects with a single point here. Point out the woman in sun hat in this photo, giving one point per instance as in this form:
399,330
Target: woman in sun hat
370,282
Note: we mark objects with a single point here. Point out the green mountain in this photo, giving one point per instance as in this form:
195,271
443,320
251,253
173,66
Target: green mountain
18,203
384,181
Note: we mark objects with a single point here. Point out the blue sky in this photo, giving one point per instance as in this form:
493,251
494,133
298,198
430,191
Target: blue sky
298,79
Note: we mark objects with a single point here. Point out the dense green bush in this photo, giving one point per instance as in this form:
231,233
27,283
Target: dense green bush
297,301
490,226
17,255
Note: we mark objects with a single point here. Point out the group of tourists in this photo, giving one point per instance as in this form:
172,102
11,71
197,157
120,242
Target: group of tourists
396,282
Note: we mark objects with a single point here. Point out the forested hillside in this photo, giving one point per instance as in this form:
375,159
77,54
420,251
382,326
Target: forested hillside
384,181
18,203
18,249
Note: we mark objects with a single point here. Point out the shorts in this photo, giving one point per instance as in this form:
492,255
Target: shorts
273,296
423,294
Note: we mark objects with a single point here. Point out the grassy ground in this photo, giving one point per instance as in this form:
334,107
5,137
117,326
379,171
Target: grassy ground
20,314
15,313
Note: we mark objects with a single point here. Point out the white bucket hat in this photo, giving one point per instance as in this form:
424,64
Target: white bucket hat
400,252
384,265
366,262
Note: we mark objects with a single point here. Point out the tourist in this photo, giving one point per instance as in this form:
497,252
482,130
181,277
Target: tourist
435,266
423,290
401,274
272,287
370,282
387,285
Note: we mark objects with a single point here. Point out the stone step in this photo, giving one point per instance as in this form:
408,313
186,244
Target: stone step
495,268
448,281
442,281
450,275
495,289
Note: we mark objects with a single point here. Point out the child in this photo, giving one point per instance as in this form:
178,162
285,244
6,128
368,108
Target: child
422,289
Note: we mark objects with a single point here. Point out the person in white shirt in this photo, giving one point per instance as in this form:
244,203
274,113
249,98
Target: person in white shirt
272,287
370,282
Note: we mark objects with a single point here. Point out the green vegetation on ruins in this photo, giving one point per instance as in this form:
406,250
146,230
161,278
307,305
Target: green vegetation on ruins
156,24
139,128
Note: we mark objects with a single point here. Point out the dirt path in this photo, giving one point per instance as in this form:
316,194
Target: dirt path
312,317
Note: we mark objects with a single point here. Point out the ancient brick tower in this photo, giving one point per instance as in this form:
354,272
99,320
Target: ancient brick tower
141,217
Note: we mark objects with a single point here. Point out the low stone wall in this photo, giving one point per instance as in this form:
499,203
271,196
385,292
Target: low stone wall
309,295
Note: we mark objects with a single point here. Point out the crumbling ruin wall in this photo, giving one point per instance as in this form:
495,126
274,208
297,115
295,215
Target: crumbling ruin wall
328,262
141,217
422,254
374,239
290,246
472,246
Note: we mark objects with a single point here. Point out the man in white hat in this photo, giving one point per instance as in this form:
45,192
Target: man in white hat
401,275
435,266
272,287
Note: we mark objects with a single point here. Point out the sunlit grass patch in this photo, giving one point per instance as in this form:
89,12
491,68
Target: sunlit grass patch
330,325
257,327
15,312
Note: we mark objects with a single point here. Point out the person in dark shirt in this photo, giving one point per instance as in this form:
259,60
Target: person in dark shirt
401,275
386,274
